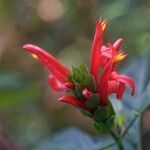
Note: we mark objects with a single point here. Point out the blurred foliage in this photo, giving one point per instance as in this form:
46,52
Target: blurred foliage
29,111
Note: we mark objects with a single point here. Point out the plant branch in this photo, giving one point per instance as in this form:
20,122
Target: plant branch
117,140
129,126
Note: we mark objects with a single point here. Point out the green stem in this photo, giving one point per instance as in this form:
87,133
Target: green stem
117,140
130,125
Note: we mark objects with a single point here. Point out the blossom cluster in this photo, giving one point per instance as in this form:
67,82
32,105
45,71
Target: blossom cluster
88,88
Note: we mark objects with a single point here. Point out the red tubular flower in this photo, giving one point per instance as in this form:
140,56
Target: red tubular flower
115,87
96,46
80,81
59,78
55,84
106,57
51,63
122,79
103,83
75,102
111,81
59,72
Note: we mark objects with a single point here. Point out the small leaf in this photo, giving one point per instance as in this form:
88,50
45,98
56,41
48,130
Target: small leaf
93,102
100,115
104,127
120,120
120,123
104,116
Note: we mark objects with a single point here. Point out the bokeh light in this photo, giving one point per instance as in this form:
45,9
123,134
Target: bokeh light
50,10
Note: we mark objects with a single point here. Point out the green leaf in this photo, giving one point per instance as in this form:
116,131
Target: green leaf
103,113
104,127
104,117
100,115
93,102
120,120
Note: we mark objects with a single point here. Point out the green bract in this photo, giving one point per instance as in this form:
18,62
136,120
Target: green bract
81,77
103,116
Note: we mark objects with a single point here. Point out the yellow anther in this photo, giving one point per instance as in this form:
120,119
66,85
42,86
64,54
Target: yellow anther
34,56
119,56
104,24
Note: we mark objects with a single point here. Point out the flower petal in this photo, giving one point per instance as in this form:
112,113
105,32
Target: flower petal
55,84
49,61
112,51
121,90
117,44
95,61
74,101
115,87
103,83
124,79
106,52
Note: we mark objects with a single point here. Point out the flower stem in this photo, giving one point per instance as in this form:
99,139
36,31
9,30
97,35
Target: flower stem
117,140
130,125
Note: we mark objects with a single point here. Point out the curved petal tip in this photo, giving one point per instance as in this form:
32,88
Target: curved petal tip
30,47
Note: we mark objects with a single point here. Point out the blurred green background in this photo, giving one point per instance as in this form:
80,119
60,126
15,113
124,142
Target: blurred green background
29,111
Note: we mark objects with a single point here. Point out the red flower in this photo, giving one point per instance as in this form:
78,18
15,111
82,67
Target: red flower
106,58
102,57
74,101
95,59
58,80
112,82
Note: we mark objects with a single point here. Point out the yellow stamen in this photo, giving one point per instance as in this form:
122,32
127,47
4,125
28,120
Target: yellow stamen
119,56
34,56
104,24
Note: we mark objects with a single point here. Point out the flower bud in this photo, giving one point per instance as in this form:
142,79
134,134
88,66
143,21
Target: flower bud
86,93
118,44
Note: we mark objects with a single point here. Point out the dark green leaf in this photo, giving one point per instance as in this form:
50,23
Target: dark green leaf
93,102
103,113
